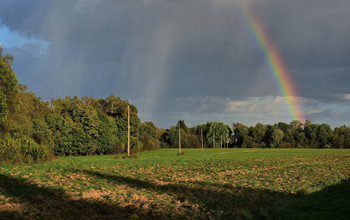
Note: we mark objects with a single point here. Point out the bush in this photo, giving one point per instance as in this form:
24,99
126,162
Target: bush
117,148
150,143
9,150
22,150
41,132
135,144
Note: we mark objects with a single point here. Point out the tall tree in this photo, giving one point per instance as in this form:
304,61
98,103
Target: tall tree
150,136
341,137
240,132
9,99
276,137
8,82
217,131
258,133
3,109
324,135
296,125
311,134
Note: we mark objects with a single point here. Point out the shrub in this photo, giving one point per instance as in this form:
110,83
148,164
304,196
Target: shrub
135,144
117,148
9,150
22,150
150,143
132,155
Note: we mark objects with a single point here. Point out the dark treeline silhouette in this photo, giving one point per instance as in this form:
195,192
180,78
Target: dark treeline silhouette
32,129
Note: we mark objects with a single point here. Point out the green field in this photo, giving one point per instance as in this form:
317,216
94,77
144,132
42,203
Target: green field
214,183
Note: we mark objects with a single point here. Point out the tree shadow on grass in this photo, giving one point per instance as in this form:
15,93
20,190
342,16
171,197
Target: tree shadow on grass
51,203
333,202
214,200
249,203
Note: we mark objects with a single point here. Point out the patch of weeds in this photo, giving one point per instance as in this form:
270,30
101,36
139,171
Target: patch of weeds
125,156
134,217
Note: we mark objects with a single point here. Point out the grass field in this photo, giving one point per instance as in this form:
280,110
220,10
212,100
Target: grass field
216,183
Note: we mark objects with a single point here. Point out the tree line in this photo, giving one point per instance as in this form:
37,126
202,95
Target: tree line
281,135
32,129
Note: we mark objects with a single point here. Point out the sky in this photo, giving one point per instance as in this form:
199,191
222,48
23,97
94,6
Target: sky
196,60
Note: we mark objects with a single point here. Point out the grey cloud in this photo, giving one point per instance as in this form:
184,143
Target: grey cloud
156,51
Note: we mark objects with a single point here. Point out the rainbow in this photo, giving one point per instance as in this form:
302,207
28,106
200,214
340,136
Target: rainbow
275,64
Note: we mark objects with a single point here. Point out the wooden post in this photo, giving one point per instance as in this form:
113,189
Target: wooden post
202,138
128,130
179,138
214,139
221,142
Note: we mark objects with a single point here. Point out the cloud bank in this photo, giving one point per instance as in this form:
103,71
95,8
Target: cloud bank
158,51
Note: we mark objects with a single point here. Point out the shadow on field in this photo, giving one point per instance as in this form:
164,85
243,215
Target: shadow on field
248,203
50,203
215,200
333,202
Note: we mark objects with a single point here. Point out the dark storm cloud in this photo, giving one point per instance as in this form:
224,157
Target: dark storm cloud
157,51
86,43
25,17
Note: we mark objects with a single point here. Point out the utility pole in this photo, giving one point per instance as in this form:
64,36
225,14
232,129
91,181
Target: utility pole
202,138
128,130
179,138
221,142
214,139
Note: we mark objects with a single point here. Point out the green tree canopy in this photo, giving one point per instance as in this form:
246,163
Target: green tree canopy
3,109
8,88
218,132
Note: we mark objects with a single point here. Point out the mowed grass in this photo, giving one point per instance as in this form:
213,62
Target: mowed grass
209,184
